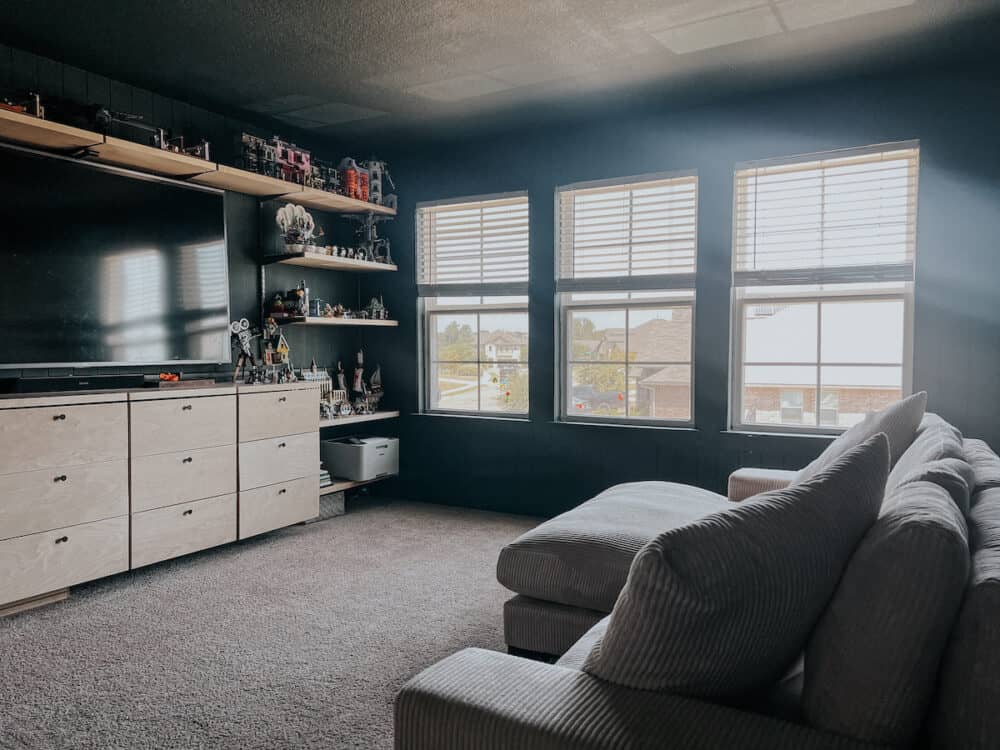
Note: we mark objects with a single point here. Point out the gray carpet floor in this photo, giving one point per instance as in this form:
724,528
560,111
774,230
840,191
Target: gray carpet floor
299,639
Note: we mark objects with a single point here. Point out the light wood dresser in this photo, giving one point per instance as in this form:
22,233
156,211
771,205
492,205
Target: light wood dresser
93,484
279,456
64,502
183,458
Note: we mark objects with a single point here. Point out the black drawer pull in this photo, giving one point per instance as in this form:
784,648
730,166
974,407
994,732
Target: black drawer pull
58,417
187,460
62,539
60,478
188,512
282,445
186,407
282,491
282,400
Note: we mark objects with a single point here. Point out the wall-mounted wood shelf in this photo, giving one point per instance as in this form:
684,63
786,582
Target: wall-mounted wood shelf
337,322
45,134
241,181
124,153
30,131
339,485
357,418
331,262
326,201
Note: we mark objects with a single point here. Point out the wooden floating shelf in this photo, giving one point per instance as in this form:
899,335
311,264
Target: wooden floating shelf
357,418
241,181
331,262
337,322
339,485
46,134
326,201
31,131
124,153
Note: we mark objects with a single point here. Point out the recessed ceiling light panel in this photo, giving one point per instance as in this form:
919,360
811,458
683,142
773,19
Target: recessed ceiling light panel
462,87
334,113
720,31
801,14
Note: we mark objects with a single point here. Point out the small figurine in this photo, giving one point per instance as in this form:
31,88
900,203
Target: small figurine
341,378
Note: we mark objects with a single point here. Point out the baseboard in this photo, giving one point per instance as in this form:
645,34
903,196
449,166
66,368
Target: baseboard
34,601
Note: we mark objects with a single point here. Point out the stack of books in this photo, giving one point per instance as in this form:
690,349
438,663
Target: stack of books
325,480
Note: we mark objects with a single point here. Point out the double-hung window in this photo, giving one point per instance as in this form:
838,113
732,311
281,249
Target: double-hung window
626,255
823,263
472,281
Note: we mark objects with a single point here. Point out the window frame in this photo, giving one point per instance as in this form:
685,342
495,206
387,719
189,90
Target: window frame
829,280
426,312
737,365
624,285
565,389
427,317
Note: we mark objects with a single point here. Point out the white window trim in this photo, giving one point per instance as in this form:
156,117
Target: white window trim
621,284
737,326
427,317
565,366
905,273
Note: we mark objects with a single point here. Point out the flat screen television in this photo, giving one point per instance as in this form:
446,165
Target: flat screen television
101,266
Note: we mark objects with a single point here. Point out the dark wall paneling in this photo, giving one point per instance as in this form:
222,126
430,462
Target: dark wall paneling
543,467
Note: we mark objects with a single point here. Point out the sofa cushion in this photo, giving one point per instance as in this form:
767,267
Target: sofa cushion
966,710
582,557
725,604
953,475
934,441
985,464
898,421
872,660
577,654
545,627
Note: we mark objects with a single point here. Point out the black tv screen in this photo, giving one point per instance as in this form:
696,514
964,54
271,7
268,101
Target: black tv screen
105,267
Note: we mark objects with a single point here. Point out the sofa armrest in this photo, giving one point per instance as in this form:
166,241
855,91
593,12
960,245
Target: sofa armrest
744,483
491,701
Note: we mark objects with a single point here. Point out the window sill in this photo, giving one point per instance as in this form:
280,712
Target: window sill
522,418
782,434
628,425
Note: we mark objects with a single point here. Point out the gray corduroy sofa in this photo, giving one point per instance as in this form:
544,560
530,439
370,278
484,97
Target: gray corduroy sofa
906,653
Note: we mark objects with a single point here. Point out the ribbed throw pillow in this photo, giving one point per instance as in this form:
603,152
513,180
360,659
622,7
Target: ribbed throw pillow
899,422
872,661
724,604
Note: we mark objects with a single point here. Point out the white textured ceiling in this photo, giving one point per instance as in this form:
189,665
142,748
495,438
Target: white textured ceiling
338,68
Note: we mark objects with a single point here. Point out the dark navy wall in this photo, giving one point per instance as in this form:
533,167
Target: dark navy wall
543,467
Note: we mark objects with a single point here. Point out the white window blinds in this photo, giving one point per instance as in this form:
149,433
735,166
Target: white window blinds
478,246
628,234
846,216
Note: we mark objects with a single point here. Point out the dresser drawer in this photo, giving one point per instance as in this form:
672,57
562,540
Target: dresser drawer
52,560
284,504
53,436
171,478
277,413
53,498
265,462
182,529
179,424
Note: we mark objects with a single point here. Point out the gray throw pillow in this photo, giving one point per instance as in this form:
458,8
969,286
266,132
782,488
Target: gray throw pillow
872,662
724,604
898,421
